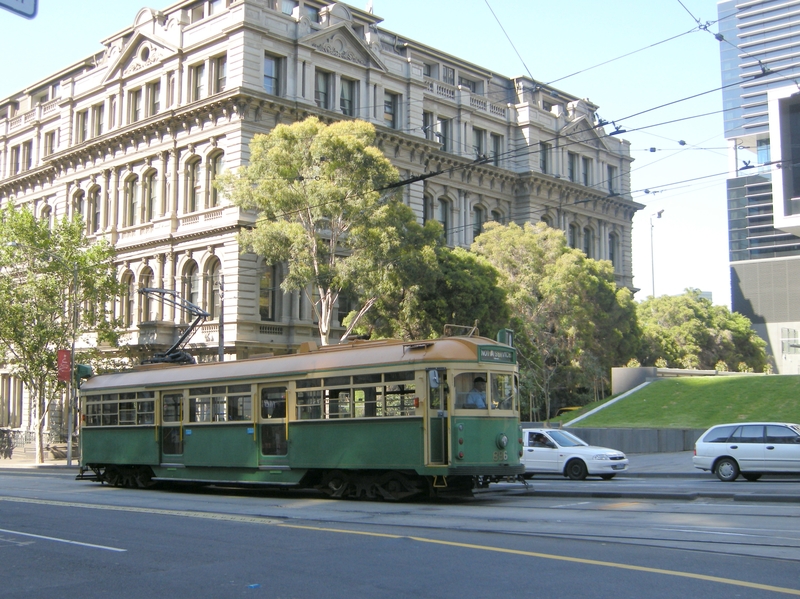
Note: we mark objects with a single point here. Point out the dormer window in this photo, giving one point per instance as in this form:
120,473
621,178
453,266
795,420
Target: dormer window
468,83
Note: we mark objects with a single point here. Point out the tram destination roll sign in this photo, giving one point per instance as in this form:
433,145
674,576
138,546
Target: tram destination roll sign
491,353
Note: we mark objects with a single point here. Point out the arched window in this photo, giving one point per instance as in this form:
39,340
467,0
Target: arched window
131,215
572,236
444,218
588,242
266,294
47,216
477,221
148,310
613,251
126,304
215,165
150,195
192,186
192,285
547,220
79,204
94,210
497,217
212,280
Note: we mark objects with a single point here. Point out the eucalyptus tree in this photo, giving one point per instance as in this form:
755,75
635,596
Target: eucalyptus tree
327,209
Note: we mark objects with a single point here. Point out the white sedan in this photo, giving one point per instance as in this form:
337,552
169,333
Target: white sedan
551,451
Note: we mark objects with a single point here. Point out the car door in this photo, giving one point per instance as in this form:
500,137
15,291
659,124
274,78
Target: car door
536,456
747,446
781,449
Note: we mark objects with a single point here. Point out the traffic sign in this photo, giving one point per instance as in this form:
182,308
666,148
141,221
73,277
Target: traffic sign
24,8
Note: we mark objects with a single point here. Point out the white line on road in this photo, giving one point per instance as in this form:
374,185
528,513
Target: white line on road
25,534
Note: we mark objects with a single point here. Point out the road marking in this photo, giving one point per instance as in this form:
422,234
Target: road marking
563,558
26,534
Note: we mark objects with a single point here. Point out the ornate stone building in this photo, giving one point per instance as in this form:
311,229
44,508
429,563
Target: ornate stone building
132,138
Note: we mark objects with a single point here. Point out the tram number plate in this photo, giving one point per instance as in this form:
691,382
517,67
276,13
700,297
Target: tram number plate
500,456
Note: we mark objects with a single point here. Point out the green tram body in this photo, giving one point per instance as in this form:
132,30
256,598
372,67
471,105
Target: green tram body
368,418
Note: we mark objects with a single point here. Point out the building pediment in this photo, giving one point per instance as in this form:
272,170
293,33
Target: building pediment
582,130
141,52
340,42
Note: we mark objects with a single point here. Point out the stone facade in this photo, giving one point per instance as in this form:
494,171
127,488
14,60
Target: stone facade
132,137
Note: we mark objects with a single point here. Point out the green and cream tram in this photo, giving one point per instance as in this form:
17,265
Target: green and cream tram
376,419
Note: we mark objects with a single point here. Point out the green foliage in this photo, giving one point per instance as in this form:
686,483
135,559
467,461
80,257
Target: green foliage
721,366
54,287
633,363
572,323
700,402
690,331
315,187
661,363
453,287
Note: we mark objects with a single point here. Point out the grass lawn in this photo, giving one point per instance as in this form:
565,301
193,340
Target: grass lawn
699,402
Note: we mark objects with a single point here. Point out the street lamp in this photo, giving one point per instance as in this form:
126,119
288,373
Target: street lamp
652,258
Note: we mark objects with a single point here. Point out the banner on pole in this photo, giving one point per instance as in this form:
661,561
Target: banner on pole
64,365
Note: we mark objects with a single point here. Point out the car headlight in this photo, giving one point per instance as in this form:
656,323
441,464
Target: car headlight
602,456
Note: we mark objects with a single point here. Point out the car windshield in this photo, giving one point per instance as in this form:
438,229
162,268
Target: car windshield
565,439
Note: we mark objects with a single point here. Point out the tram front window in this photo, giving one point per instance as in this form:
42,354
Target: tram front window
503,392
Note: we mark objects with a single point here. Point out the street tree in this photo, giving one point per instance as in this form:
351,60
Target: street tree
455,286
571,322
325,209
54,287
688,331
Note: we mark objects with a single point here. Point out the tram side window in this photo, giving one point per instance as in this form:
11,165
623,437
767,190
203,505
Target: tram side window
400,399
123,409
240,404
273,402
94,410
172,407
200,404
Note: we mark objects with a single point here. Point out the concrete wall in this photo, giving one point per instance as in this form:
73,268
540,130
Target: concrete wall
625,379
637,440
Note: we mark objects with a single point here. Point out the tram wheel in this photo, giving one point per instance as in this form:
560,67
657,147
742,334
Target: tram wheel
394,486
336,483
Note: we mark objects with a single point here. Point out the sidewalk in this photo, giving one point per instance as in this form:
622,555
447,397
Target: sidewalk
20,458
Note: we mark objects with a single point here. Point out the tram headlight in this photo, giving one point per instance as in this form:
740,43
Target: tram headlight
502,440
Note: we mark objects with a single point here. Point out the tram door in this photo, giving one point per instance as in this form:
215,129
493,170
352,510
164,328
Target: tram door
437,438
171,428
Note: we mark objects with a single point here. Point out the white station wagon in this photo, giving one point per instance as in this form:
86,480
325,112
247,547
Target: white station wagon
750,449
554,451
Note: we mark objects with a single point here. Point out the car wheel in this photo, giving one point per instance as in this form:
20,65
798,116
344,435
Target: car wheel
607,476
576,470
727,470
751,476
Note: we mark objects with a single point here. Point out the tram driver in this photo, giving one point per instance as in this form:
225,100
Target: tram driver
476,398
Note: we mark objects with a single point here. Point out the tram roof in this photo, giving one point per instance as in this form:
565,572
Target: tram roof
309,359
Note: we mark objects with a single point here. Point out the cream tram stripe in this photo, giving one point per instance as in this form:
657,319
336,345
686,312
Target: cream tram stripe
563,558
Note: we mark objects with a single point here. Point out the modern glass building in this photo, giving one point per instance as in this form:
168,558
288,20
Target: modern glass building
760,63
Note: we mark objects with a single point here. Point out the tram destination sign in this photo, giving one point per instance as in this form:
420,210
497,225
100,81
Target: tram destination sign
492,353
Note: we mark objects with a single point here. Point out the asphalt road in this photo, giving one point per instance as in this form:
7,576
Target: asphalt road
65,538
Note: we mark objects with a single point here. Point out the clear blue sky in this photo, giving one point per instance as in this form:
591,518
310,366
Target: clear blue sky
554,41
